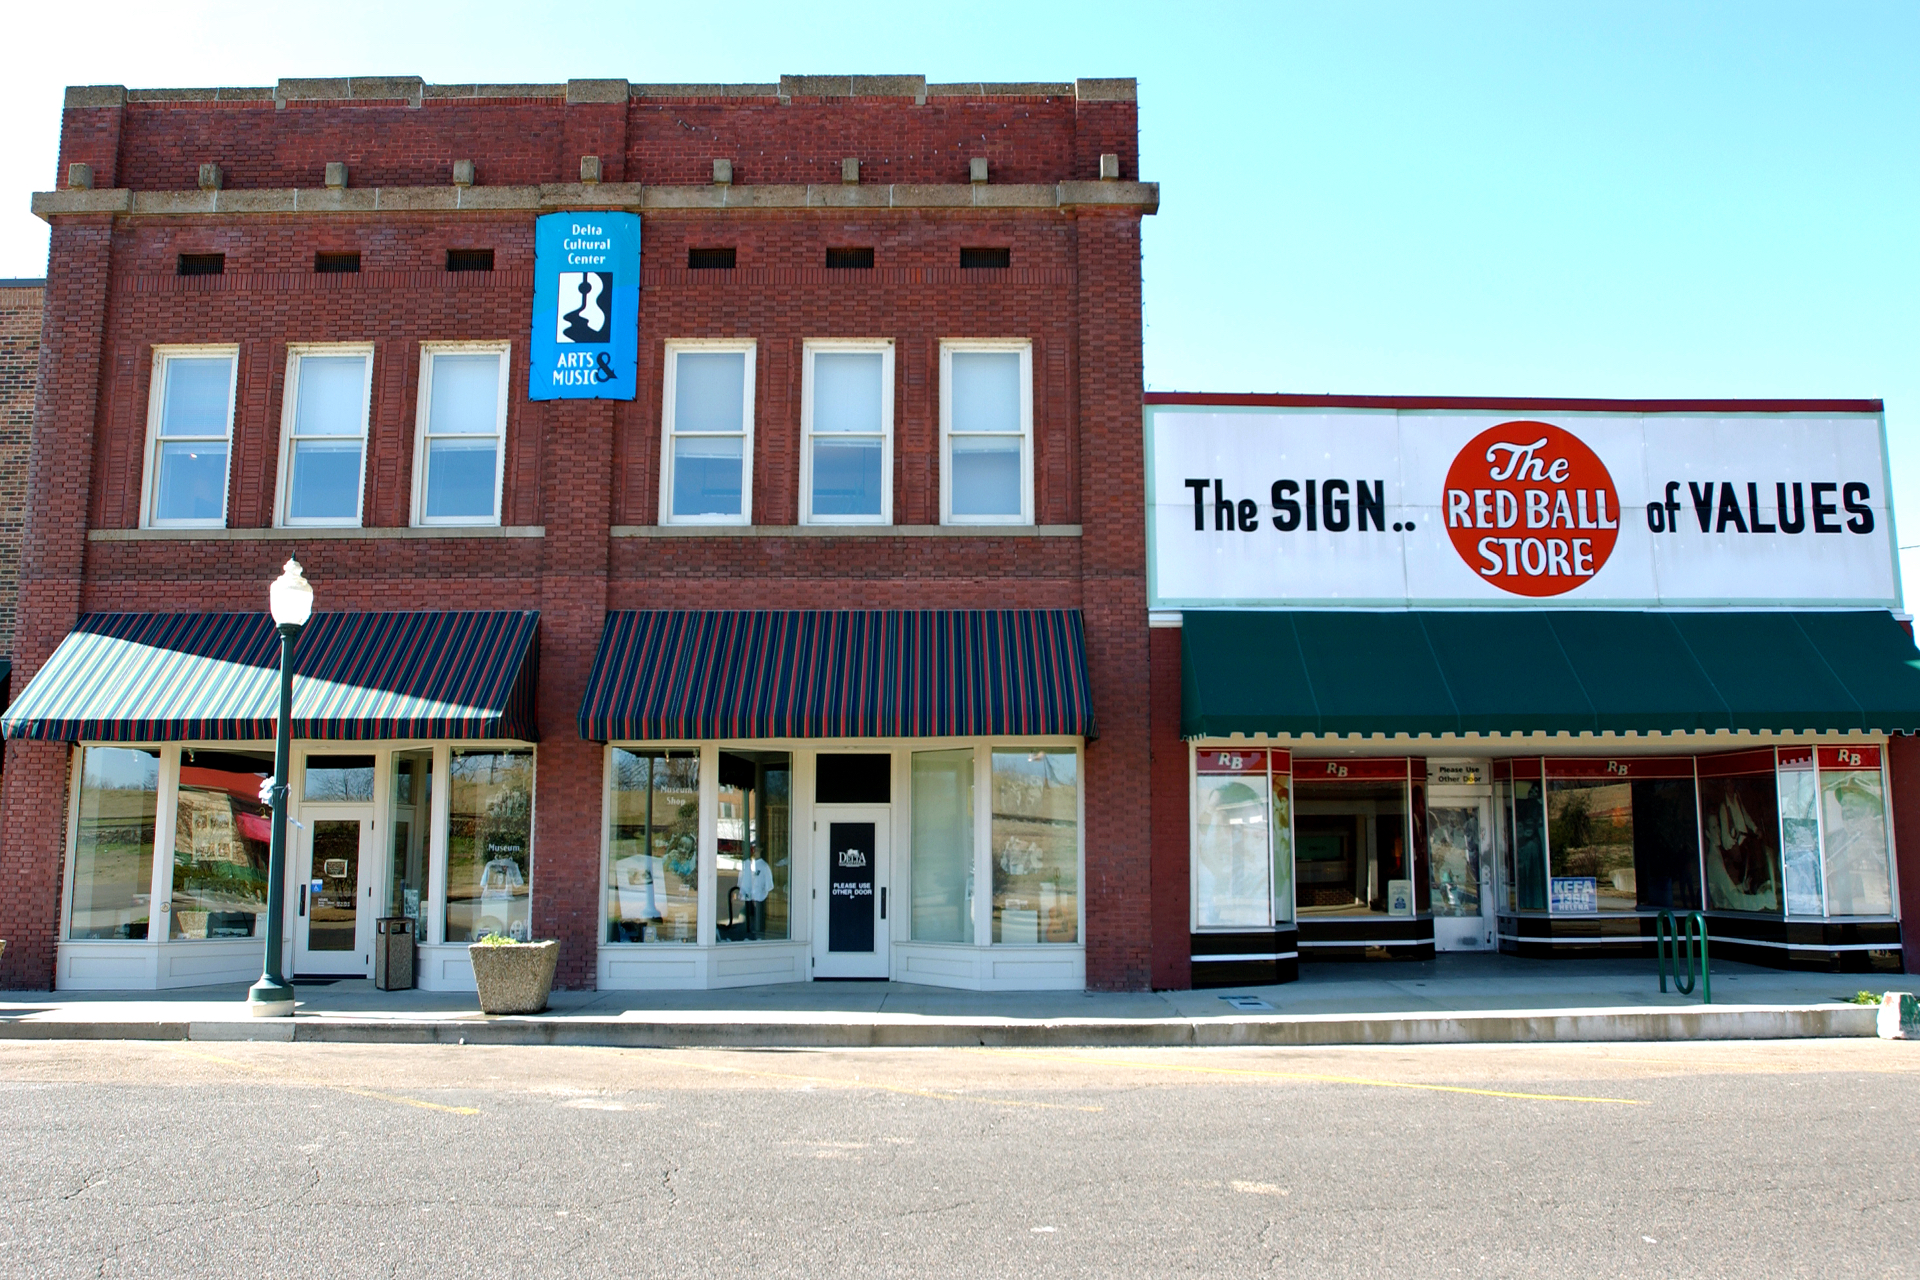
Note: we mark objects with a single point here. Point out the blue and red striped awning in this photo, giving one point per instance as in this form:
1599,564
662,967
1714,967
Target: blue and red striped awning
892,673
170,677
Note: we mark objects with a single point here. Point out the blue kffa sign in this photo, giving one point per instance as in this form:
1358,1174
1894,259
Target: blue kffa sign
586,306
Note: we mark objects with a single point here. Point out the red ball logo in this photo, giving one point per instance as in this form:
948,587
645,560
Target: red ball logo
1531,509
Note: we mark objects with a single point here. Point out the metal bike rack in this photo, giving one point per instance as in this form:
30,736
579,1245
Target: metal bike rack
1680,936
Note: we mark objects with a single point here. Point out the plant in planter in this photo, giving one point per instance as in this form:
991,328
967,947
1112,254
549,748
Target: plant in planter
513,977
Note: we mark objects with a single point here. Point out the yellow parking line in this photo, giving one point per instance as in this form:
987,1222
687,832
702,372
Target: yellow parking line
321,1084
409,1102
1312,1076
895,1088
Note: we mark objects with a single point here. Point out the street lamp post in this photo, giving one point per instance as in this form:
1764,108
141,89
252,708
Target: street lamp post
292,603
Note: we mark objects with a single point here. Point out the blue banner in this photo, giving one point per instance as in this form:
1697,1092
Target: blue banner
586,306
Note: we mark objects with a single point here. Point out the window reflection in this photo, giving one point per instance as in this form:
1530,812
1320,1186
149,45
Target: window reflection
754,843
1740,834
113,856
1854,814
1639,840
221,836
653,869
489,844
1231,849
1035,842
408,834
347,779
942,908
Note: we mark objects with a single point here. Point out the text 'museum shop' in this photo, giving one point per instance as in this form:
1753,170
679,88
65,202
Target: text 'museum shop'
740,553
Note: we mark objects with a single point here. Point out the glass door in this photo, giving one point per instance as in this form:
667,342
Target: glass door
1460,852
850,895
333,894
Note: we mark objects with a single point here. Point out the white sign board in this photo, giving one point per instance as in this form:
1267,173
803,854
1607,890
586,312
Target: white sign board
1263,507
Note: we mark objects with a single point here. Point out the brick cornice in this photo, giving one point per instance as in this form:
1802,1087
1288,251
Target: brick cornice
1142,198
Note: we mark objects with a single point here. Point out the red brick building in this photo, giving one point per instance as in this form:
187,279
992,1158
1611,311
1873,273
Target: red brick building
888,386
19,372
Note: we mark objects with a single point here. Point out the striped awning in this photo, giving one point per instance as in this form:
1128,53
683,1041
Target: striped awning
169,677
892,673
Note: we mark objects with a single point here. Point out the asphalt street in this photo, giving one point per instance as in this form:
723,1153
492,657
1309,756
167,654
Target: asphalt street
1720,1159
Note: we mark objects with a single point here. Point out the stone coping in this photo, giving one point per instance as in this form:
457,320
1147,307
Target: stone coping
1143,197
413,90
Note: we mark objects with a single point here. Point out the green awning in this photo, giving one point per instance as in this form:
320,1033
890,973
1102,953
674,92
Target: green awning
1548,670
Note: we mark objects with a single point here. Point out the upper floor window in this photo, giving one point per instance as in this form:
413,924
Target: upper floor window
462,431
189,434
706,476
324,434
986,432
846,428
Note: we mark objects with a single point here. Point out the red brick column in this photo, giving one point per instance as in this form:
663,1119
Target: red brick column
576,483
33,810
1903,776
1119,884
1172,941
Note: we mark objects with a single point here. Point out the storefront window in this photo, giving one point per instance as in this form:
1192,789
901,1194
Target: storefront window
1529,843
221,835
653,890
754,846
113,854
1800,833
1035,841
1740,831
1350,838
1281,826
1233,857
1621,836
1853,814
942,854
411,824
489,844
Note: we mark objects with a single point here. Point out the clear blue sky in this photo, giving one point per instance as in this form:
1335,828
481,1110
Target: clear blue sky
1619,199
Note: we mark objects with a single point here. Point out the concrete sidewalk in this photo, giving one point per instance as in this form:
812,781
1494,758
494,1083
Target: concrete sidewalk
1450,1000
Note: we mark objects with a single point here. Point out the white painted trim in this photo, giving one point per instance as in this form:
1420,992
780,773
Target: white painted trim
674,348
297,352
810,348
1251,955
1373,942
156,397
423,410
1023,347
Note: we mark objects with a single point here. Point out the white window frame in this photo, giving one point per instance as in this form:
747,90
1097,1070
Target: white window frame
816,346
156,398
674,349
1024,348
289,415
423,412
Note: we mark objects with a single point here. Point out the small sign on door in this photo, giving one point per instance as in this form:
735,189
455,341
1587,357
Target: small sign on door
334,868
850,886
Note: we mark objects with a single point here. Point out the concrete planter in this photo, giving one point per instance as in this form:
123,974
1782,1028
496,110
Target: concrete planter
514,977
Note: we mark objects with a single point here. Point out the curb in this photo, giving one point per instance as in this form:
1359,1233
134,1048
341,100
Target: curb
1748,1022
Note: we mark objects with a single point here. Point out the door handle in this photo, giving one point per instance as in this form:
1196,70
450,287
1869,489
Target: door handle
303,900
883,902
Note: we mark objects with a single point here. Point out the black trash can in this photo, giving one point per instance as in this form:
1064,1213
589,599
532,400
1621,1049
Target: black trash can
393,954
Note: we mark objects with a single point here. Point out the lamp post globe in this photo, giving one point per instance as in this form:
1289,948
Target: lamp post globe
290,600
